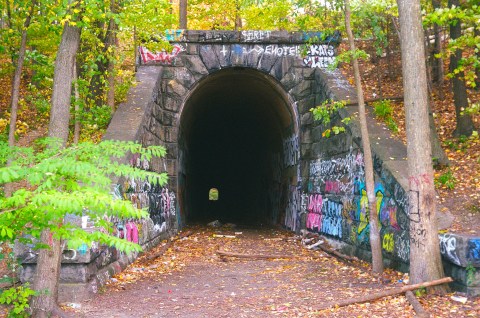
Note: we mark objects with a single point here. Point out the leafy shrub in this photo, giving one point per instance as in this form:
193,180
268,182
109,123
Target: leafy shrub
446,179
384,111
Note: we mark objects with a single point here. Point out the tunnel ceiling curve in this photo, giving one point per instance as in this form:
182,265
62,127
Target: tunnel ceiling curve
232,126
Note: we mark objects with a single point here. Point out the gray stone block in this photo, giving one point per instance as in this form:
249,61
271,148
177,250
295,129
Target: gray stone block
209,58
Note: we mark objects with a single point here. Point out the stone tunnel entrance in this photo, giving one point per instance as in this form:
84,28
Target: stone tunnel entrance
233,127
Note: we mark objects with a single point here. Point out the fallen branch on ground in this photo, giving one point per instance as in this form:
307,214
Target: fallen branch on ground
385,293
419,310
336,253
167,246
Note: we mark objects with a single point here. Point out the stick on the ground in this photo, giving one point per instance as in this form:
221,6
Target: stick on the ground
336,253
419,310
241,255
385,293
167,246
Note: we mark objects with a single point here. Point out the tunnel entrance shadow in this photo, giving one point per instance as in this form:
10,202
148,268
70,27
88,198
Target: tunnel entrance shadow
232,129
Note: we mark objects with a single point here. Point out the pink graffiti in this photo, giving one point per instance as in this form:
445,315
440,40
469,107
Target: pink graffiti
332,187
131,232
315,202
388,216
314,220
162,57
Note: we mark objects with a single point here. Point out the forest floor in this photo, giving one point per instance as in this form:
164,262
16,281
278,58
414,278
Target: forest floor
191,280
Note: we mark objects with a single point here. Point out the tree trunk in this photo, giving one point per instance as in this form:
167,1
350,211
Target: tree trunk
238,18
113,41
8,188
17,77
438,73
439,157
76,130
183,14
476,33
464,122
97,86
375,243
48,263
425,260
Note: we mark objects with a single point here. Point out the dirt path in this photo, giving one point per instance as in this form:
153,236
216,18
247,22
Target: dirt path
190,280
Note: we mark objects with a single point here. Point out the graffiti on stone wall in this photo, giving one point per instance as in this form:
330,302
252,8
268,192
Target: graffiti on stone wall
340,173
338,205
175,35
474,250
332,218
318,55
159,201
291,151
255,36
292,213
448,248
163,57
314,212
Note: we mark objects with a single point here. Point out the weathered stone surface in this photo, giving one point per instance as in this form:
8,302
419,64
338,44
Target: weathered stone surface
223,53
174,88
302,90
194,64
237,57
168,118
171,104
307,119
289,80
280,68
209,58
184,77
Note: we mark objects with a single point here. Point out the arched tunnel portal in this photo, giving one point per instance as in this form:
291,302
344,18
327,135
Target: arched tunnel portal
231,138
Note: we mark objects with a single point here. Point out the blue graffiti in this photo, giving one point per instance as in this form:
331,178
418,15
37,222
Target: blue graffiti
332,218
474,250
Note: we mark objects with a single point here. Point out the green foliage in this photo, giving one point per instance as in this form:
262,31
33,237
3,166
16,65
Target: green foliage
348,56
371,19
468,14
462,143
446,179
420,292
69,181
471,270
17,297
384,111
324,113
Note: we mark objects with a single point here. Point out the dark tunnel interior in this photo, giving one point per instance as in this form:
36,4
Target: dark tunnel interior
231,126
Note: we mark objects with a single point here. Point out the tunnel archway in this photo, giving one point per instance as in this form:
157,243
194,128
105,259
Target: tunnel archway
232,131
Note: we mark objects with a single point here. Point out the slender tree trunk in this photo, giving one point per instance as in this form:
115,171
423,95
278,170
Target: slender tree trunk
464,122
425,260
476,33
238,17
112,40
17,77
48,263
97,86
76,131
8,188
183,13
438,73
375,243
439,157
